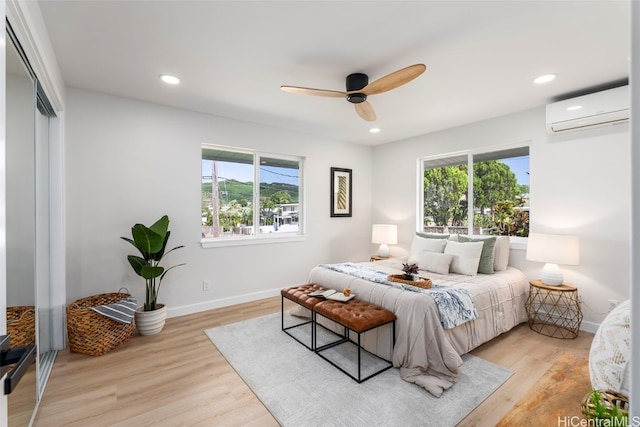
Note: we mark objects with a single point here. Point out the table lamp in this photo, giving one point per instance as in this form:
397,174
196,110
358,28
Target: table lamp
552,249
385,235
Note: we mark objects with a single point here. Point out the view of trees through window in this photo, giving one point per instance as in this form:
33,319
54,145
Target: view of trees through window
231,203
498,193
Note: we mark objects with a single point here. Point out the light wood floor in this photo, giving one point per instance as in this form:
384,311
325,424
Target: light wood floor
178,378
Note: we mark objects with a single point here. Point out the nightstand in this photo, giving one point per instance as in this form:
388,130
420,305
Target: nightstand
379,258
554,310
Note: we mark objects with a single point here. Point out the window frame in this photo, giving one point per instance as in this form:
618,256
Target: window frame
259,238
517,242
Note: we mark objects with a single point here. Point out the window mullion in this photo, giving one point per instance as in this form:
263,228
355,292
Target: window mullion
256,194
470,202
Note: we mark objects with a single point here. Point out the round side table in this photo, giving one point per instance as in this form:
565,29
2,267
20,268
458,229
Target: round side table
554,310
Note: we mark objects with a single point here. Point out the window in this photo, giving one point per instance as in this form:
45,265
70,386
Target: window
234,208
476,193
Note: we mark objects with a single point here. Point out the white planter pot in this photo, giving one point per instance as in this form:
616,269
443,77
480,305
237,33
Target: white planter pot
151,322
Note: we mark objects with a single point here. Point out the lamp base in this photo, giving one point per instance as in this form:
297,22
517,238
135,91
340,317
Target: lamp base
551,275
383,251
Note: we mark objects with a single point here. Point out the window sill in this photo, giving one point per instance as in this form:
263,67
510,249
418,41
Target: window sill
246,241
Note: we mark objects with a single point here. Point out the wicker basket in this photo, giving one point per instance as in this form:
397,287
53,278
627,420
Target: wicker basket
21,325
92,333
424,284
608,399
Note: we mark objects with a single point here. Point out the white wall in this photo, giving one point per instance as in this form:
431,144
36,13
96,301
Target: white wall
580,184
128,162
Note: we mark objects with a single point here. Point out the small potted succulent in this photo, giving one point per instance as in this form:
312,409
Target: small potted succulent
409,270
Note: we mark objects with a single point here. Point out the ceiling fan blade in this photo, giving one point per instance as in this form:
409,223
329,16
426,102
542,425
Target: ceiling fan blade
314,92
393,80
365,110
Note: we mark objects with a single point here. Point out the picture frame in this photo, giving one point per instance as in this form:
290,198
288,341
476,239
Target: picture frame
341,192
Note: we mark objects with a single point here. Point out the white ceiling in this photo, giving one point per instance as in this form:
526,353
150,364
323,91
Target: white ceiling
232,57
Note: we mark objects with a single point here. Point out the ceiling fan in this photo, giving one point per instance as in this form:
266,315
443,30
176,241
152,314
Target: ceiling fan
359,88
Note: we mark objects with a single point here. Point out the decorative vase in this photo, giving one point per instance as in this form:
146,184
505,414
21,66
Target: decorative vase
151,322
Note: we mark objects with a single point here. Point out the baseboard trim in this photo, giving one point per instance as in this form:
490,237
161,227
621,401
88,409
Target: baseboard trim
223,302
589,327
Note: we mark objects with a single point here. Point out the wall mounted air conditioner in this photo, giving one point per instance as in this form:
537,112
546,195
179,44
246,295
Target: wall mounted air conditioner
608,107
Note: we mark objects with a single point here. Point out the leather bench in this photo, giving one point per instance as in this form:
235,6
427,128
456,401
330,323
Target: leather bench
356,316
300,295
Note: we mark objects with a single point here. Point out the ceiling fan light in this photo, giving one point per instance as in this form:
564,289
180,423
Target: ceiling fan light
356,98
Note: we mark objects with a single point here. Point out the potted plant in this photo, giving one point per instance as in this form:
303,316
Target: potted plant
409,270
151,242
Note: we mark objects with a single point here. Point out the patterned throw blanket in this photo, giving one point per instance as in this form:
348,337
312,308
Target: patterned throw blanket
454,304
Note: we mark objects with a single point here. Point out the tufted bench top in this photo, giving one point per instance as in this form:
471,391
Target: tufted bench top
359,316
300,294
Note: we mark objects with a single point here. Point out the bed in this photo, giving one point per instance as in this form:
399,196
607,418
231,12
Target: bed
427,353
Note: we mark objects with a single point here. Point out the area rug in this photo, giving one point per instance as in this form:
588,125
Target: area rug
301,389
555,398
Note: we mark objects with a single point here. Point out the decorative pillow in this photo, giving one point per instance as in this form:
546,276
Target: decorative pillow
466,257
435,262
433,235
421,244
501,257
610,353
488,252
453,237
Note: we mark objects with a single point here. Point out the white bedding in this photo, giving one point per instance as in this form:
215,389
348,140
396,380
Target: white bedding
426,353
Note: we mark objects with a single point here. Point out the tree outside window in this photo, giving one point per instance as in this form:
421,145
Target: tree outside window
498,199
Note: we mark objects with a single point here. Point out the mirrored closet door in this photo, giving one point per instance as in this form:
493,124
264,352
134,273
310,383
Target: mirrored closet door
28,229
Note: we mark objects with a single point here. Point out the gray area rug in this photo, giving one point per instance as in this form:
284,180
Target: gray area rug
301,389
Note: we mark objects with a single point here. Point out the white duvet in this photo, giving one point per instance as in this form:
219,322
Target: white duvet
426,353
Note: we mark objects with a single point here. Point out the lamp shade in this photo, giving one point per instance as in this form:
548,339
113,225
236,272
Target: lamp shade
384,233
553,248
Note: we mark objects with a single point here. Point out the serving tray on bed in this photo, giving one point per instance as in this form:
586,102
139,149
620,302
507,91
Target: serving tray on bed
425,283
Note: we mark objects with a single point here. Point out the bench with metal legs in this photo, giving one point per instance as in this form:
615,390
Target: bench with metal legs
356,316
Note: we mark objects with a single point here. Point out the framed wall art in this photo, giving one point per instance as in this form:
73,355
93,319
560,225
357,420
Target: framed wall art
340,192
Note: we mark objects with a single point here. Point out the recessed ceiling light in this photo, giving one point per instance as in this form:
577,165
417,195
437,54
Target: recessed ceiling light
574,107
545,78
374,130
167,78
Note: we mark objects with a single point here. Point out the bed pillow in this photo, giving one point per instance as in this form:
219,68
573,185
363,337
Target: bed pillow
432,235
466,257
488,252
435,262
501,258
421,244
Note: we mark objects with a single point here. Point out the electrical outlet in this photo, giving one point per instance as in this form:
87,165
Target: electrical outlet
206,285
612,304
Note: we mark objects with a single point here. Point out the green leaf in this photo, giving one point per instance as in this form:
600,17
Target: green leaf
151,272
161,226
147,240
137,263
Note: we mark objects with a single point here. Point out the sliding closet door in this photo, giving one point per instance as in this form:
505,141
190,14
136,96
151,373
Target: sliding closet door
20,225
43,246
